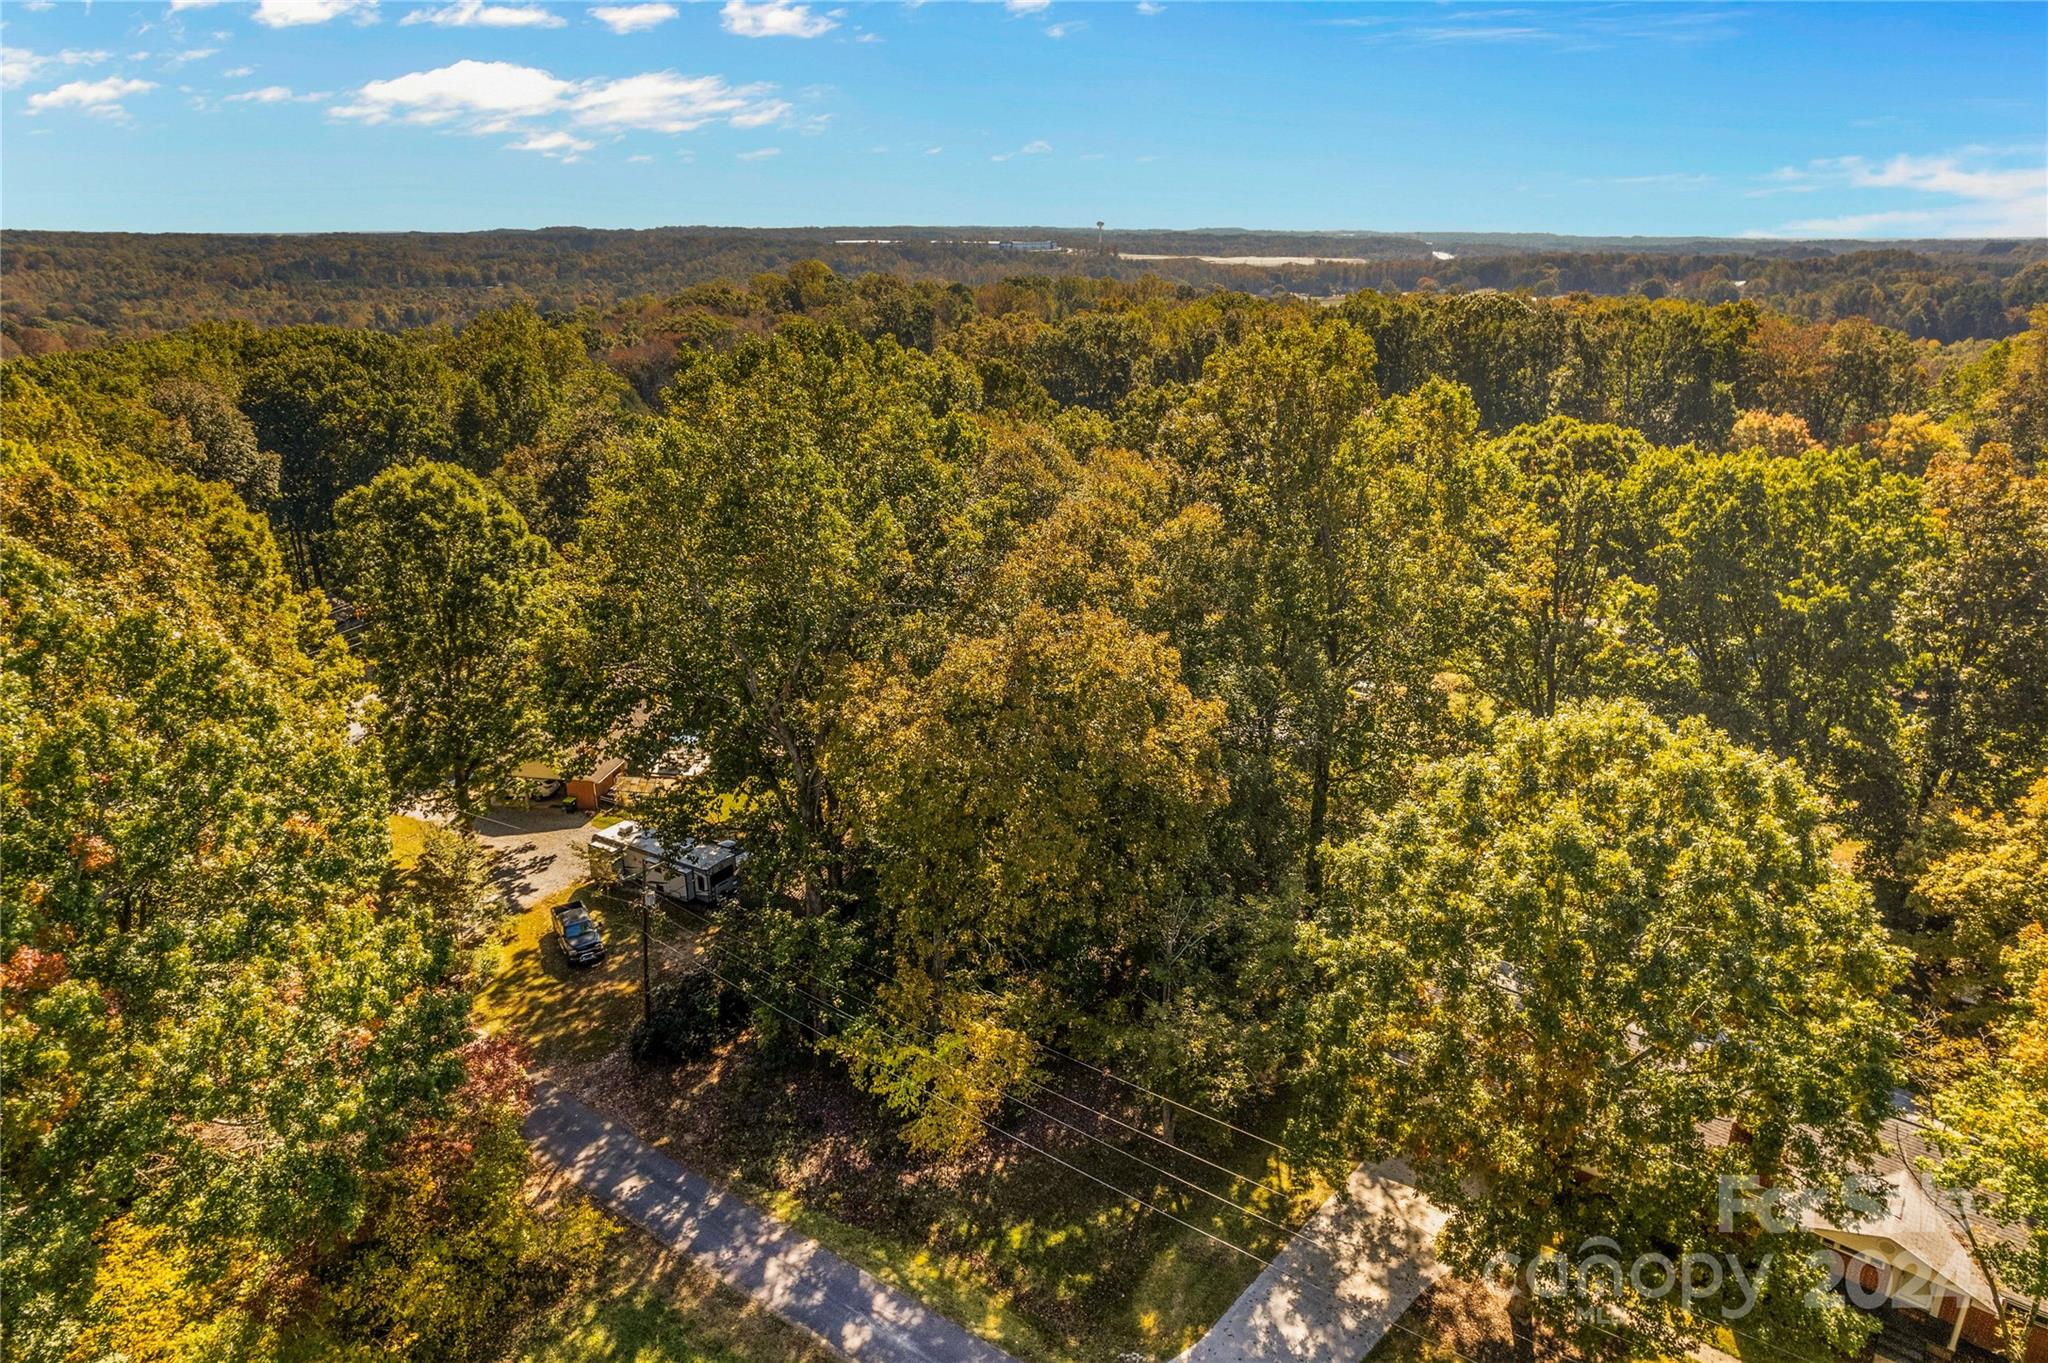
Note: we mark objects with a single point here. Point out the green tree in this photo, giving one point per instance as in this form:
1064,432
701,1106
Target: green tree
1988,882
1545,976
1334,568
791,519
525,391
213,1039
1559,555
338,408
1979,615
446,579
210,438
1034,799
1771,598
1991,1135
452,1261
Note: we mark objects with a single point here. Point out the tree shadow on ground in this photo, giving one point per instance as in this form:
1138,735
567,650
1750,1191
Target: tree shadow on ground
565,1012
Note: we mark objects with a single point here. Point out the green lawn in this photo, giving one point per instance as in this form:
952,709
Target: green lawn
563,1012
648,1305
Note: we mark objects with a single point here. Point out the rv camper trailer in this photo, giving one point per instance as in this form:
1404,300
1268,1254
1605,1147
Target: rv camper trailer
690,872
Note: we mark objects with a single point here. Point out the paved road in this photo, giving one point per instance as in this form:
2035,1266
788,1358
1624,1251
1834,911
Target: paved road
1340,1285
795,1277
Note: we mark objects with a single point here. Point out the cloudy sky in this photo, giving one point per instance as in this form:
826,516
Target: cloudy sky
294,115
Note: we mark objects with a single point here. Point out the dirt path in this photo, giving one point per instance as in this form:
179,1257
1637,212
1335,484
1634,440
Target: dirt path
540,850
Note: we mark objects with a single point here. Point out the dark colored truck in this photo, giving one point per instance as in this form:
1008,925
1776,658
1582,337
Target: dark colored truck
579,932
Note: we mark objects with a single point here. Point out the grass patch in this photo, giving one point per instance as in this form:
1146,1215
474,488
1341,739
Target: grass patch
1033,1257
408,836
563,1012
648,1304
945,1282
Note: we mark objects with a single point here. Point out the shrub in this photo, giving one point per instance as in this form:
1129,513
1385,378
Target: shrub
692,1013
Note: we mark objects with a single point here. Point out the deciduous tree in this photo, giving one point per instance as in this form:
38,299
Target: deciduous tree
1549,972
446,580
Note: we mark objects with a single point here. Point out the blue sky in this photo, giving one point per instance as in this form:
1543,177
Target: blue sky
1658,119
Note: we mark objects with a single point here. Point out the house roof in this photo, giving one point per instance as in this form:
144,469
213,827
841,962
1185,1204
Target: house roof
1919,1217
1913,1222
604,769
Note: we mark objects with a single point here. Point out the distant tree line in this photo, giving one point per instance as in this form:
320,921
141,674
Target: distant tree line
70,290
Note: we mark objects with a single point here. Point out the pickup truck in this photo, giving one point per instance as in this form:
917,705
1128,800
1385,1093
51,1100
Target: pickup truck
579,932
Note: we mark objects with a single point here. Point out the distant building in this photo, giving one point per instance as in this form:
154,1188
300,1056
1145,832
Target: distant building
1025,245
1913,1255
587,778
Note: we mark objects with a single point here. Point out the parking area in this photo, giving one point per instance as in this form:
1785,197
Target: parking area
563,1013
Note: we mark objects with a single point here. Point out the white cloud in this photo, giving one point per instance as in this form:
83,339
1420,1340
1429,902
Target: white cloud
295,13
275,94
1964,193
101,97
761,115
774,19
177,5
640,160
1148,8
1036,147
18,65
632,18
491,91
238,72
1026,6
190,54
500,97
933,151
760,153
1669,179
664,102
477,14
559,145
1061,30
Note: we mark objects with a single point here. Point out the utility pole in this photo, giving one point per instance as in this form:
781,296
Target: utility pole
646,999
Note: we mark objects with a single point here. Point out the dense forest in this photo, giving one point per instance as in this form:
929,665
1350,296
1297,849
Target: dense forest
1508,731
72,290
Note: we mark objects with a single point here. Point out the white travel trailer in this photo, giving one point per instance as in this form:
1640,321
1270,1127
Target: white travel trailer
634,854
689,872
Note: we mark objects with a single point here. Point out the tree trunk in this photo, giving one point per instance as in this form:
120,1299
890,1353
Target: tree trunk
1318,820
1522,1317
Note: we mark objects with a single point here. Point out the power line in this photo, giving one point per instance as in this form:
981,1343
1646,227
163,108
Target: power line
1270,1265
1040,1087
1231,1203
1134,1086
1294,1233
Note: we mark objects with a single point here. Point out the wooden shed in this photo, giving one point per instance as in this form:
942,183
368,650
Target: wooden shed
594,785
